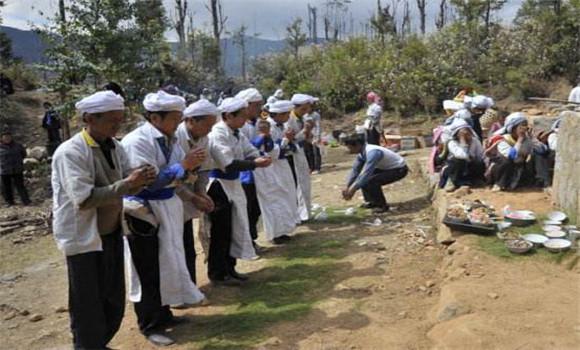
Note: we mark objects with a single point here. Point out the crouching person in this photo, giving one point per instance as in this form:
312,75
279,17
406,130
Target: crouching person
159,276
464,165
89,179
374,167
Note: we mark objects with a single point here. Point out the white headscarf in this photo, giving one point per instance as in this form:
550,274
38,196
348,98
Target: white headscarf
161,101
457,125
200,108
301,99
511,122
101,102
279,93
481,102
250,95
283,106
452,105
232,104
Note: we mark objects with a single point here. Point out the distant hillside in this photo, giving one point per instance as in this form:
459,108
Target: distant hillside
28,46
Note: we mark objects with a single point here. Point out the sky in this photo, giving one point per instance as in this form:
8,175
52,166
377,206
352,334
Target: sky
267,18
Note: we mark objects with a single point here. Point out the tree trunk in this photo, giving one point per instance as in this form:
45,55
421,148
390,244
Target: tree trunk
181,9
62,11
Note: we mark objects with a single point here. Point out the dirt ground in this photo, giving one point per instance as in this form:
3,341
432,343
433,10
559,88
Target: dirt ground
339,284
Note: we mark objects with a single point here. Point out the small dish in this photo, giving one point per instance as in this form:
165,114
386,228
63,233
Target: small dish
519,246
549,228
553,222
555,234
535,238
557,216
557,245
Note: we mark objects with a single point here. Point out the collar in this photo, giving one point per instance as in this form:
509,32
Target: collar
156,134
89,139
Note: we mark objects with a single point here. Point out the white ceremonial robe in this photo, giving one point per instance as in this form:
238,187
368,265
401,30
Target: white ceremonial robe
224,148
175,283
302,170
276,193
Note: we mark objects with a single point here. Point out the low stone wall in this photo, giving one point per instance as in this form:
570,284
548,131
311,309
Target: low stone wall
566,187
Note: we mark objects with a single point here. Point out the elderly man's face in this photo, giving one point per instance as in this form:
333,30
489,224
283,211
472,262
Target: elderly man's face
105,125
281,117
167,124
200,127
253,109
303,109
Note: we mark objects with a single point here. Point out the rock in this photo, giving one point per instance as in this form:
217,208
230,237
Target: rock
35,318
30,163
451,310
13,326
566,187
10,315
429,284
62,309
492,295
534,112
24,313
422,288
456,274
402,314
38,153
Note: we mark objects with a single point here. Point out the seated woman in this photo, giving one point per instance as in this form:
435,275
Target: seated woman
463,158
517,158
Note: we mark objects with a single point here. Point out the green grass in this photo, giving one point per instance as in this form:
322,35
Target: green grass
294,280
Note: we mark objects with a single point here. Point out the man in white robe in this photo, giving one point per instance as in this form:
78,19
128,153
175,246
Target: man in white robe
158,272
232,153
89,179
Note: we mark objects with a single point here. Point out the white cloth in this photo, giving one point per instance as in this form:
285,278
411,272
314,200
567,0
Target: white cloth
301,168
575,95
452,105
224,148
250,95
187,142
374,118
276,192
175,284
161,101
283,106
301,99
200,108
101,102
481,102
553,141
72,178
511,122
279,93
232,104
249,130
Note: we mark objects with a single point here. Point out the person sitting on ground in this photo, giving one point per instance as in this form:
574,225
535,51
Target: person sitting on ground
464,164
12,156
51,123
498,124
473,109
374,167
520,158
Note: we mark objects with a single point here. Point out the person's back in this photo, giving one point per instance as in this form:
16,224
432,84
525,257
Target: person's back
389,159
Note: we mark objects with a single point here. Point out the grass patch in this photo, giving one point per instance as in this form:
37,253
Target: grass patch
286,289
336,216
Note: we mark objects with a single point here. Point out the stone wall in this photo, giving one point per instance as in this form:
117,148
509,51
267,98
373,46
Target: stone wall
567,170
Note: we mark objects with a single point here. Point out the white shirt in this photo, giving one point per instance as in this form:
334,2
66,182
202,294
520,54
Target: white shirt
575,95
73,174
472,151
225,147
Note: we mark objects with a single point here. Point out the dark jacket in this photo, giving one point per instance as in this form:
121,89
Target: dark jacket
11,158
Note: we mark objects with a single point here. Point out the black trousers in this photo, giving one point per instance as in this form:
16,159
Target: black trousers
8,184
96,284
189,249
253,206
313,156
509,175
373,192
464,173
290,160
144,245
220,263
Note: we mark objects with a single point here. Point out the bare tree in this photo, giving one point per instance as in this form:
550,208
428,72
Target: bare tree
326,28
313,23
421,5
179,24
406,22
295,37
218,24
239,39
62,11
442,16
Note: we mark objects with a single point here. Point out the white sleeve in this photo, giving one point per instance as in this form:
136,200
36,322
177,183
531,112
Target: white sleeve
220,151
553,141
140,153
74,175
458,150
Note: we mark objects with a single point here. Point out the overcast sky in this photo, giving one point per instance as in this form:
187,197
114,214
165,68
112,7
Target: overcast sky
266,17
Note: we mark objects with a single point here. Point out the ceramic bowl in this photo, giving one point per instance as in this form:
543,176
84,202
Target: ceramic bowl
536,239
557,245
553,222
555,234
519,246
549,228
557,216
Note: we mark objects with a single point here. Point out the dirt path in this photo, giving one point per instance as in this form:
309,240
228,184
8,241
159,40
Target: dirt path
339,284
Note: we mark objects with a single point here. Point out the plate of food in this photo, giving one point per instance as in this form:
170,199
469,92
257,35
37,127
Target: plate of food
480,216
536,239
519,246
521,217
457,213
556,234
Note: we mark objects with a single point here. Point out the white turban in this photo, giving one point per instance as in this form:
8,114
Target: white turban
232,104
283,106
101,102
511,122
200,108
279,93
452,105
302,99
161,101
481,102
250,95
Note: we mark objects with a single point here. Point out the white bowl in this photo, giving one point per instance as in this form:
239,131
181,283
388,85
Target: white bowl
557,216
557,245
556,234
549,228
535,238
552,222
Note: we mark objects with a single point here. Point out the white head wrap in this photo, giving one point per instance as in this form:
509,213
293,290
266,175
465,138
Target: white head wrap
511,122
457,125
232,104
283,106
200,108
101,102
250,95
452,105
161,101
279,93
481,102
301,99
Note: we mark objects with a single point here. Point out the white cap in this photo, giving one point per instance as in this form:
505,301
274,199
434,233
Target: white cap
232,104
302,99
282,106
161,101
101,102
200,108
250,95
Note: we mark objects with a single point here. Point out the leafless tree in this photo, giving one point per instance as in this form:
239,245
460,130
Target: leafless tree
422,5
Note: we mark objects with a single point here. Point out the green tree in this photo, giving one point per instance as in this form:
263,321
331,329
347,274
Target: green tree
295,37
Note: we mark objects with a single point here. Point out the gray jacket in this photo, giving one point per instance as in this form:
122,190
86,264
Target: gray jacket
11,158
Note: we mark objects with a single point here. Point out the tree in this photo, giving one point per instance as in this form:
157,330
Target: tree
383,22
180,26
313,23
442,16
218,24
5,44
421,5
239,39
295,37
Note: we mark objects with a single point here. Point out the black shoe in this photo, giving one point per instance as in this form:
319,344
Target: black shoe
159,339
239,276
279,241
285,238
368,205
381,210
227,281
